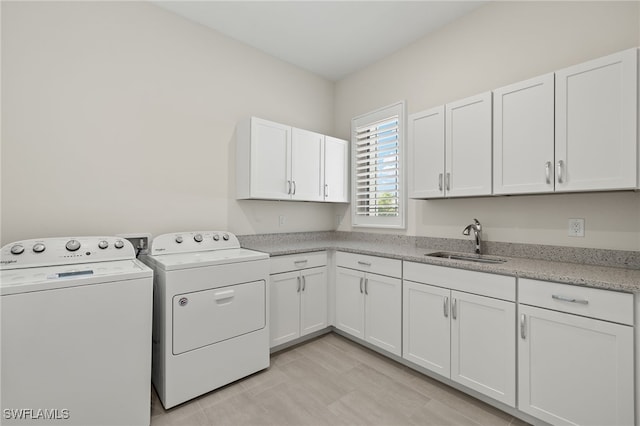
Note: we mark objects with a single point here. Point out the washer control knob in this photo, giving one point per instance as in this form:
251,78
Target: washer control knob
118,244
38,248
103,244
197,238
17,249
179,239
216,237
73,245
225,237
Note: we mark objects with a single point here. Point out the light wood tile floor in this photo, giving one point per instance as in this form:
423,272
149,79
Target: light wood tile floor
332,381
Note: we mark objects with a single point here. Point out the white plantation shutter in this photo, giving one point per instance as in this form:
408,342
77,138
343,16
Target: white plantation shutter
377,168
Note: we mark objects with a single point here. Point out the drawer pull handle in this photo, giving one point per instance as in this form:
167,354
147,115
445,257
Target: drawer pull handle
523,326
300,262
569,299
223,295
362,262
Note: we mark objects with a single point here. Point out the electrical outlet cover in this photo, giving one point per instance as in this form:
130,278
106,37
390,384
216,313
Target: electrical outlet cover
576,227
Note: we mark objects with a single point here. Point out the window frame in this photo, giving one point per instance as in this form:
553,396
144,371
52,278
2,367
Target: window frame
380,114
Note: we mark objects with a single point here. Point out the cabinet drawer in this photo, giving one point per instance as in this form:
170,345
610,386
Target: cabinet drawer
481,283
589,302
296,262
374,264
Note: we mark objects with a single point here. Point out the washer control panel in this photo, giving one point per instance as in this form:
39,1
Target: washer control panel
64,251
186,242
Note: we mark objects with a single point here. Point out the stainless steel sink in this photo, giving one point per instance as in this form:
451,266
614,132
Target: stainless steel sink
466,257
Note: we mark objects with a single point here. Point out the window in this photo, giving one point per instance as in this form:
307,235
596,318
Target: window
377,168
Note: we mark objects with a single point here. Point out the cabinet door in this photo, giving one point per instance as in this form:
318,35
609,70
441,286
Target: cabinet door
350,301
284,307
313,300
468,146
523,137
596,124
336,170
483,345
270,154
426,326
426,154
575,370
307,165
383,312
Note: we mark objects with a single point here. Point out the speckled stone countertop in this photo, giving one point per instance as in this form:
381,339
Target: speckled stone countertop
606,269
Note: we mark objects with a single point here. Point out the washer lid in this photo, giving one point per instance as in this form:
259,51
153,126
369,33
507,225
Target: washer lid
170,262
15,281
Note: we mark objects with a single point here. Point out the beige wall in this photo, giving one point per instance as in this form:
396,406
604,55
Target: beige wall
119,117
499,44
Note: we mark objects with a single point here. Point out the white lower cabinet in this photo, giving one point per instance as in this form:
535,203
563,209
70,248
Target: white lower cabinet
369,305
298,299
574,369
469,338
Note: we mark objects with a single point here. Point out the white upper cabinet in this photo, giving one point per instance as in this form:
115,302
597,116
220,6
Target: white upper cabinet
450,149
307,165
426,154
596,124
468,146
523,137
279,162
336,170
263,159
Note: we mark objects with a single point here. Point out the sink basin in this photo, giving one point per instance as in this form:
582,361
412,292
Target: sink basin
466,257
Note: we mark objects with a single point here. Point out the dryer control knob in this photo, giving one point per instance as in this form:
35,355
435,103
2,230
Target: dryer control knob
17,249
38,248
118,244
225,237
197,238
179,239
103,244
73,245
216,237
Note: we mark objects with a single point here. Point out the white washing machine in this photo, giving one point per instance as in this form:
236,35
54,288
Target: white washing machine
210,313
76,333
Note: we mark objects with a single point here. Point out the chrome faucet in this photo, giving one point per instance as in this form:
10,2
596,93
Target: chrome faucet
477,232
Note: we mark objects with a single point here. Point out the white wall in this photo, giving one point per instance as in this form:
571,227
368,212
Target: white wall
498,44
119,117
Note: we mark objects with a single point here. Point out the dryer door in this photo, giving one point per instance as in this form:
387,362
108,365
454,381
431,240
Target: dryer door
206,317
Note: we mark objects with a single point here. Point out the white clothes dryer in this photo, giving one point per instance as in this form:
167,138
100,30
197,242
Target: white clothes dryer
76,333
210,313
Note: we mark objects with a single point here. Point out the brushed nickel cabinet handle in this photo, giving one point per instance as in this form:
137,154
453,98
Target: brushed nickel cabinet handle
446,307
298,290
454,309
304,283
523,326
569,299
361,280
560,166
447,181
440,182
547,171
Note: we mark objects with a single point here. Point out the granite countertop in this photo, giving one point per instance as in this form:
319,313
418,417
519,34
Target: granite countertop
625,279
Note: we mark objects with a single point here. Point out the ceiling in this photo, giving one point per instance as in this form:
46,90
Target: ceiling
329,38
